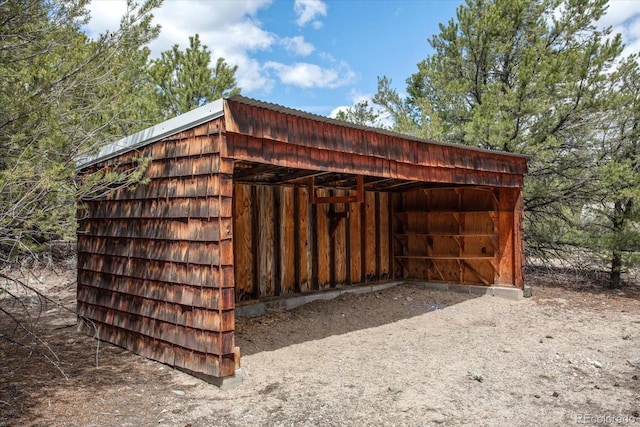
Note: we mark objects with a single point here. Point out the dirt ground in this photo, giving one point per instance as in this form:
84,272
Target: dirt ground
405,356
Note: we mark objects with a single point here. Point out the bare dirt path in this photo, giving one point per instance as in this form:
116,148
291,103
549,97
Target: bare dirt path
405,356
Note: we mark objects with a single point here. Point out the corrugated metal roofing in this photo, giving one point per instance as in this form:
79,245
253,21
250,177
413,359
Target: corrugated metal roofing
154,133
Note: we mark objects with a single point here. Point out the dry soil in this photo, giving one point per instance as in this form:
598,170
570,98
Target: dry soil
405,356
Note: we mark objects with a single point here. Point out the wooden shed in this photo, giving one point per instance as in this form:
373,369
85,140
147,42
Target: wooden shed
247,201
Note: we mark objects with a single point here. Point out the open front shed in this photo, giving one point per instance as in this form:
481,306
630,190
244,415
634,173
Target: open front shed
247,201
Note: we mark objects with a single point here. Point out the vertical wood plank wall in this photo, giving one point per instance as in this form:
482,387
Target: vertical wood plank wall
155,263
279,253
464,235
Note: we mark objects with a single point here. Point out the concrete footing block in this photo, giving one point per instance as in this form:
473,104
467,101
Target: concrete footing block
513,294
481,290
251,310
507,292
224,383
439,286
289,303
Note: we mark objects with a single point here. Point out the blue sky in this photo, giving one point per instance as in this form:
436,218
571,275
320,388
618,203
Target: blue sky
317,55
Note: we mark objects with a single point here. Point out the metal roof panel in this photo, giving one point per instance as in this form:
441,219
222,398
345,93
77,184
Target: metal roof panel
193,118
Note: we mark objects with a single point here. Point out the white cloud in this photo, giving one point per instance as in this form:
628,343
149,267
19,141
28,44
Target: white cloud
308,10
228,28
297,45
334,113
307,76
620,11
252,78
105,16
355,97
231,29
624,18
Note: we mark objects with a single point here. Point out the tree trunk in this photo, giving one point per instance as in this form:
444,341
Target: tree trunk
621,210
616,269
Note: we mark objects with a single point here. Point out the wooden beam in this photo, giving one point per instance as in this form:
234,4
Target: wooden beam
255,237
256,170
335,220
335,180
357,198
314,246
277,250
376,223
392,274
476,272
372,182
347,239
363,242
332,243
296,241
299,175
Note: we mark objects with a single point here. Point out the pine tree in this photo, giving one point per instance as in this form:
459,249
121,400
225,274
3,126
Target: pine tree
611,222
184,80
361,113
524,77
62,95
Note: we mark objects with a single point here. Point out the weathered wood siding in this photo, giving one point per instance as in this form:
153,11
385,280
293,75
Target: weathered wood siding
155,262
284,245
265,133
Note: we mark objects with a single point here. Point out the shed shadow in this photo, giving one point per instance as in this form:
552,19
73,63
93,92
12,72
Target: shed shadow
346,313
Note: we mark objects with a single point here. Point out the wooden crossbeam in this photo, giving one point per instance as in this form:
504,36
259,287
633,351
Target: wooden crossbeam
256,170
299,175
357,198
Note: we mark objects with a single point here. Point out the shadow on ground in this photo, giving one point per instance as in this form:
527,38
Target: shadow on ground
346,313
76,374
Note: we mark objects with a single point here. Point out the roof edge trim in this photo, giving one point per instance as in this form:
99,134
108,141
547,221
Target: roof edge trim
200,115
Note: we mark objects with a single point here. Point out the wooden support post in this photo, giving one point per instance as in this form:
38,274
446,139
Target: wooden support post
392,274
335,217
376,221
332,243
363,242
347,243
277,250
296,241
357,198
255,244
476,272
314,244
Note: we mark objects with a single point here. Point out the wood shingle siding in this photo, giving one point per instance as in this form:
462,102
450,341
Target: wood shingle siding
156,262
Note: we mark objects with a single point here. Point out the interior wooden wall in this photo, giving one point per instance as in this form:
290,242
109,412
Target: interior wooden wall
155,261
283,244
465,235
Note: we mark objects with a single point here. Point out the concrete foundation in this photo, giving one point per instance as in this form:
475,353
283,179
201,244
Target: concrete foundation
507,292
289,303
224,383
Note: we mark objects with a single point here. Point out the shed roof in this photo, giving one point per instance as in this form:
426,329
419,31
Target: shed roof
154,133
315,117
215,109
